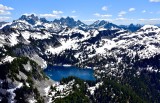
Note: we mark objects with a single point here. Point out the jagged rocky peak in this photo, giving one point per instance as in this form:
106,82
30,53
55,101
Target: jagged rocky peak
78,21
65,21
27,17
44,20
99,23
31,19
132,27
69,21
104,24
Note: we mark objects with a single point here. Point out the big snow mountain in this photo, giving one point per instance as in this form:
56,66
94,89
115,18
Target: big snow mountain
123,58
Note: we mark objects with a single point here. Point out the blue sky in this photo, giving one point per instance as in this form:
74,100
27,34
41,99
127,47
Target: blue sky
88,11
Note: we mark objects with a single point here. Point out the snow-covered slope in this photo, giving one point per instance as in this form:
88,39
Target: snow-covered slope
145,41
52,41
112,51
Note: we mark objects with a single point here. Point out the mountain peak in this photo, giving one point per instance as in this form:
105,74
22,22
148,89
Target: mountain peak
69,18
135,25
104,24
131,27
29,18
44,20
149,27
101,22
68,21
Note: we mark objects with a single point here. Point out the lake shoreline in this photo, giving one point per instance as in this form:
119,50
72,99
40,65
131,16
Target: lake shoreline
56,73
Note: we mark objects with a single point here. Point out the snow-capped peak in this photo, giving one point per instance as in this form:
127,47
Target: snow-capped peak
104,24
70,22
99,23
31,19
149,27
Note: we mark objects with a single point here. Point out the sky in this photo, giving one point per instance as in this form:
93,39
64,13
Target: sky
115,11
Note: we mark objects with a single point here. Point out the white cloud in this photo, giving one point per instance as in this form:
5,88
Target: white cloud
89,21
54,14
2,7
28,14
73,11
96,14
73,16
102,16
4,18
149,21
144,11
154,19
132,9
154,0
5,10
126,21
49,15
120,19
57,12
122,13
142,19
104,8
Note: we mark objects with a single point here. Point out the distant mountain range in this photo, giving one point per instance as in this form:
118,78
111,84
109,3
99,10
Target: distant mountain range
70,22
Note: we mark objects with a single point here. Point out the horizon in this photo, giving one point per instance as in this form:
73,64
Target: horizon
122,12
80,20
73,19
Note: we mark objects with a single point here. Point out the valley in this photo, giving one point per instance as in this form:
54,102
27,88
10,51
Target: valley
124,61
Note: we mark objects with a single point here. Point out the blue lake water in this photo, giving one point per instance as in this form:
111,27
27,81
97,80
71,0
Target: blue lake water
58,72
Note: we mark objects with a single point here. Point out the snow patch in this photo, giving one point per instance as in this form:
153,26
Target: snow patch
32,100
46,90
92,89
7,59
39,61
11,91
27,66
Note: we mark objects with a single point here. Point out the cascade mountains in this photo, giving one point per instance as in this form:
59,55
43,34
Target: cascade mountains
125,59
